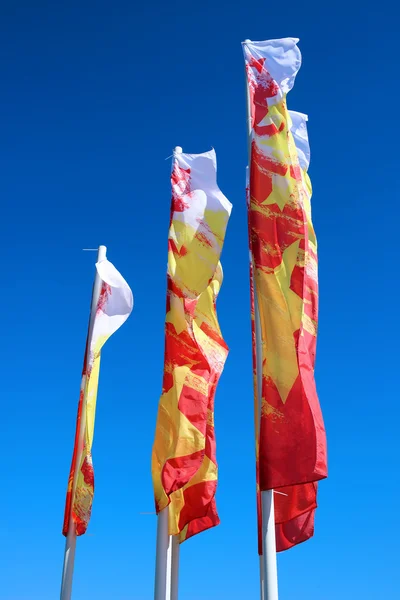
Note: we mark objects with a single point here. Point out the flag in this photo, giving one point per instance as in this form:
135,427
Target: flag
113,308
184,466
292,441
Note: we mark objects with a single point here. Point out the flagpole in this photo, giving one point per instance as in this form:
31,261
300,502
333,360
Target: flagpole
70,543
268,564
174,542
175,549
261,577
167,546
162,581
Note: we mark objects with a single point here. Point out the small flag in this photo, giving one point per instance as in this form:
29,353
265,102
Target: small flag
113,308
291,446
184,466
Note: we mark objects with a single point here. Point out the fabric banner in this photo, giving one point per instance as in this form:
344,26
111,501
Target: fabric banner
291,442
184,466
113,308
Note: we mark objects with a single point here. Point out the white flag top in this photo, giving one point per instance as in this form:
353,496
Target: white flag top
114,306
300,136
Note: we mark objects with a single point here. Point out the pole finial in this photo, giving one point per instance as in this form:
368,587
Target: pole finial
102,253
178,150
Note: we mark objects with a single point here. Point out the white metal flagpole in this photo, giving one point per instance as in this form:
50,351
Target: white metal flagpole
269,546
262,578
175,549
167,546
167,561
70,544
268,565
174,542
163,558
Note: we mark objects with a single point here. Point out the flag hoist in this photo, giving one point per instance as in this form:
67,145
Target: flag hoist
112,303
290,434
184,466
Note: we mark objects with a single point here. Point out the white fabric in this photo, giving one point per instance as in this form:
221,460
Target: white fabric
202,194
300,135
118,306
282,61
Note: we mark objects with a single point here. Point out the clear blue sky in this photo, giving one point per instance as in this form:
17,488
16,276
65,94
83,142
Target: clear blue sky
94,96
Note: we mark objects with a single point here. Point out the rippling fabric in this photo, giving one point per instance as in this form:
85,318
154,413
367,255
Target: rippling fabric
184,466
291,441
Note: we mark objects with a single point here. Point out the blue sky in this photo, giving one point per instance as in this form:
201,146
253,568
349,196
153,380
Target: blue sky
94,96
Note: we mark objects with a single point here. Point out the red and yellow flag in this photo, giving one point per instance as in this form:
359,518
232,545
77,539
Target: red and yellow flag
291,441
184,466
113,308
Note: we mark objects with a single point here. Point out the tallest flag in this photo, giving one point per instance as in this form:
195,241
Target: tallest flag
291,441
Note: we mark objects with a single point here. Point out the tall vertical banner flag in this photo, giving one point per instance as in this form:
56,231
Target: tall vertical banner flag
184,466
113,308
291,440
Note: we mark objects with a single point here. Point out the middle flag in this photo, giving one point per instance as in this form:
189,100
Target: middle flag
184,467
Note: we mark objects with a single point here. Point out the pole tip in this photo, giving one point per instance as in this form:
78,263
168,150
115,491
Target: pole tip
247,41
102,253
178,150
